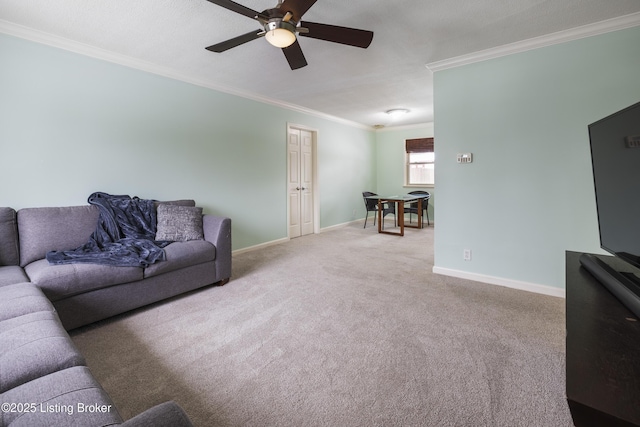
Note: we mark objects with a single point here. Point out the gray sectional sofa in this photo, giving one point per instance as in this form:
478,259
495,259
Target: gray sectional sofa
44,380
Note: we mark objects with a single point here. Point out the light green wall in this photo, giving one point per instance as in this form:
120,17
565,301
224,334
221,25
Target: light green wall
391,160
528,195
72,125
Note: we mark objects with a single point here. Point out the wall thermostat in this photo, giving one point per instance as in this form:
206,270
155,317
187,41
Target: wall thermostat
633,141
465,157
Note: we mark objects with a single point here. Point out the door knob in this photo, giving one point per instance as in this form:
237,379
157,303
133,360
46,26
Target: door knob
298,188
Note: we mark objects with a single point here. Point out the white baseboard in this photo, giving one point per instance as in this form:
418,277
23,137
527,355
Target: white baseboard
344,224
501,281
260,246
286,239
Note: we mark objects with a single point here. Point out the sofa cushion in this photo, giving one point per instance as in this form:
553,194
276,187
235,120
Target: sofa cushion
181,255
62,281
9,251
61,395
54,229
179,223
22,298
34,345
11,274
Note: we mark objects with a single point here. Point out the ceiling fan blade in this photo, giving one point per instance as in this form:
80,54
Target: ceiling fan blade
336,34
236,41
238,8
296,7
294,56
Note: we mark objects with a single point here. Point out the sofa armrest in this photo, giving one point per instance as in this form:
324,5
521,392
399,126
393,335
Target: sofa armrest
167,414
217,230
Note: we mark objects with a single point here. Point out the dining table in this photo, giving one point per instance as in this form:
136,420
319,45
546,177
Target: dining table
399,201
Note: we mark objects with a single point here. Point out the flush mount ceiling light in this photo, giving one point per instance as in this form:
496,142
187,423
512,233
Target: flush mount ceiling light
397,112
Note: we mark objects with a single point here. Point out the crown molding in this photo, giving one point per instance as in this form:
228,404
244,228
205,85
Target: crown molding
404,127
597,28
48,39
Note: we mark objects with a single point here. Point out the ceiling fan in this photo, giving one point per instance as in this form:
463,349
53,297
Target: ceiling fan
281,24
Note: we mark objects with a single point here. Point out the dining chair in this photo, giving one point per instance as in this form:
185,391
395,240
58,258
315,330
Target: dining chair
413,207
372,206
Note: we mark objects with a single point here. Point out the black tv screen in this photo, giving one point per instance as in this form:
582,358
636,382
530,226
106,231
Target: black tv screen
615,155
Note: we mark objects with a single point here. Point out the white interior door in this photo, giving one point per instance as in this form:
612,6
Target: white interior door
300,182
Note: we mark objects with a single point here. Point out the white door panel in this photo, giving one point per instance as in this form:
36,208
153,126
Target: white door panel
293,182
300,182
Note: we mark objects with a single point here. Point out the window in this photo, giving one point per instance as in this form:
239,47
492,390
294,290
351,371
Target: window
420,162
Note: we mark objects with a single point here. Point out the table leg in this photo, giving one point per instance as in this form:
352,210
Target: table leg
401,217
419,213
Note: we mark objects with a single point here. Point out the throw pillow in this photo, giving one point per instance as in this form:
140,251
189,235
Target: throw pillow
182,202
179,223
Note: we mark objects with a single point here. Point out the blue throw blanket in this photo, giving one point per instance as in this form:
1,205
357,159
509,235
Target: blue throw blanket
124,236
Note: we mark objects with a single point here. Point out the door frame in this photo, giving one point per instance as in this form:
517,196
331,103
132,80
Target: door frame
314,176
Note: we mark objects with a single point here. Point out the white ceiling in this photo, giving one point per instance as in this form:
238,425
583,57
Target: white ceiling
350,83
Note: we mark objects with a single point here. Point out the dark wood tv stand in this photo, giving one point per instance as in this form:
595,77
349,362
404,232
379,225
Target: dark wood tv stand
603,353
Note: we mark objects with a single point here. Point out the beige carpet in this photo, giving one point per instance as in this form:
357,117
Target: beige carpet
345,328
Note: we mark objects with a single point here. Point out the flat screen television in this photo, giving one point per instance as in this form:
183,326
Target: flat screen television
615,158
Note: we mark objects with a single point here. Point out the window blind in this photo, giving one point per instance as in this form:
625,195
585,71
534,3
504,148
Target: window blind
419,145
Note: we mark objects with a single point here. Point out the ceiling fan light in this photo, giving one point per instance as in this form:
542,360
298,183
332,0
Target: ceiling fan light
280,37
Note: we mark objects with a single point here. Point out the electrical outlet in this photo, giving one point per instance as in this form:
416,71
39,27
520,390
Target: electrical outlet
466,254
